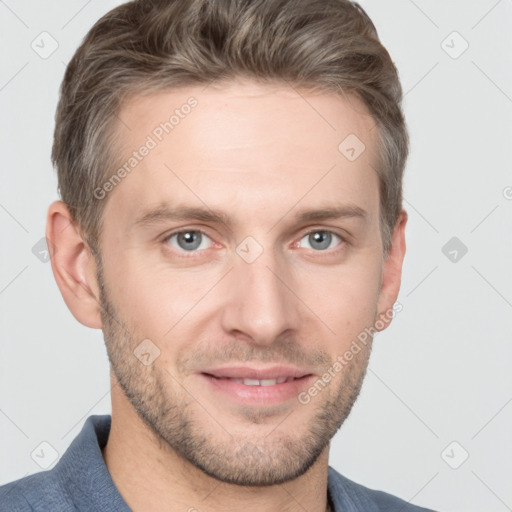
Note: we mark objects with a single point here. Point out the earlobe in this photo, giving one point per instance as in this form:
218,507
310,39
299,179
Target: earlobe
392,274
73,266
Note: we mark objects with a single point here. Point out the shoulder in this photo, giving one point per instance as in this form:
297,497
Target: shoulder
346,494
26,494
68,484
11,495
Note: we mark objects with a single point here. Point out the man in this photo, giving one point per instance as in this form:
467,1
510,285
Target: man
267,136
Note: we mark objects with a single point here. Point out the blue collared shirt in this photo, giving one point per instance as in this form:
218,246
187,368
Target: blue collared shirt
80,481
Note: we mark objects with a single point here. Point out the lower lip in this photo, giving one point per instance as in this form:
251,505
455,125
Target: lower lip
264,395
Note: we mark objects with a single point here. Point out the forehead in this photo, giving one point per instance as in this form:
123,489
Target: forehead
258,145
248,113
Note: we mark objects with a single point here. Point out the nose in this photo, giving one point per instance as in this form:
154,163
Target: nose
260,303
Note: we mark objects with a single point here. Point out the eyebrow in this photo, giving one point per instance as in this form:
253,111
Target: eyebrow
215,216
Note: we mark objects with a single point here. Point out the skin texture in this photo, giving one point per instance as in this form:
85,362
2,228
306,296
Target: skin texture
260,153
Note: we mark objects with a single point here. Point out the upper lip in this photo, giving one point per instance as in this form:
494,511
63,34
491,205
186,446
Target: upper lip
246,372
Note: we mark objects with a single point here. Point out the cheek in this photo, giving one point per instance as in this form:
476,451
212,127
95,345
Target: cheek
149,300
345,299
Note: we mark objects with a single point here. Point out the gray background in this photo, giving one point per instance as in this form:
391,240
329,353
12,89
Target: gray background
439,375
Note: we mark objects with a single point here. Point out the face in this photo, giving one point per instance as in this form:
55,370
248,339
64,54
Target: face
220,276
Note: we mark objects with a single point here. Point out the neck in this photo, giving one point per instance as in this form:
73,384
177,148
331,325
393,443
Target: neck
152,477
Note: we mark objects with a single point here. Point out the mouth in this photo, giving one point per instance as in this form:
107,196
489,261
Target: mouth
257,382
263,386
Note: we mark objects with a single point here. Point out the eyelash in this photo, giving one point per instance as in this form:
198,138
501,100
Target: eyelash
343,241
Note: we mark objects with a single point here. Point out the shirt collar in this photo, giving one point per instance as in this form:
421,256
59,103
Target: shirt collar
84,472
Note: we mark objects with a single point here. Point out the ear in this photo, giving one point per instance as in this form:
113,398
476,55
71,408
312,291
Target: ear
391,274
73,266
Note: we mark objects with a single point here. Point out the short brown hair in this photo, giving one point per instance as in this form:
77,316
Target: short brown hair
152,45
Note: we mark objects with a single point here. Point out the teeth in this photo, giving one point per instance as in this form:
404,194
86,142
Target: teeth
260,382
263,382
251,382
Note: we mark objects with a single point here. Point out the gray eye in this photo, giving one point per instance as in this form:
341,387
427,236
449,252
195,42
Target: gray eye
189,240
320,240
